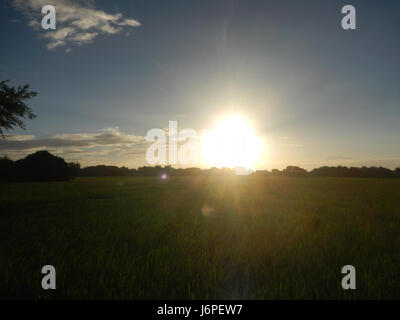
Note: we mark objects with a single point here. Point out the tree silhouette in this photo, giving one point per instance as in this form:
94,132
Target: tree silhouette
13,106
39,166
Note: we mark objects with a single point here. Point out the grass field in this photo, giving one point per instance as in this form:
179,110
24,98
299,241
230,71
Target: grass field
201,238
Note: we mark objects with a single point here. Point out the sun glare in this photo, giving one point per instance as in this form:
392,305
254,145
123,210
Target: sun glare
232,143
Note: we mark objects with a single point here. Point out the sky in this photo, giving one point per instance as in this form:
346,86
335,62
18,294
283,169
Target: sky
112,70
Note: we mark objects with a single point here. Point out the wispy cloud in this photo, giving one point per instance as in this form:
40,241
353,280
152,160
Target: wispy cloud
107,137
78,21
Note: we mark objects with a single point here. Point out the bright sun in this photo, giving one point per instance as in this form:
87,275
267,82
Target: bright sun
232,143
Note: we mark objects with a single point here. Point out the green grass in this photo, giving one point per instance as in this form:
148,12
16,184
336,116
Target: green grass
140,238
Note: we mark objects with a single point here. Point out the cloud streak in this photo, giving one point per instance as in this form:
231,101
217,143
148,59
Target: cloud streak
108,137
78,22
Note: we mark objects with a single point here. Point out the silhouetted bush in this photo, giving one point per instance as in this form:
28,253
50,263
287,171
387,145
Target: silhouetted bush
6,169
293,171
40,166
104,171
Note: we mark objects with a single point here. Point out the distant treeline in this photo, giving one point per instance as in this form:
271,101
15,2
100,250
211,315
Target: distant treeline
43,166
290,171
108,171
339,171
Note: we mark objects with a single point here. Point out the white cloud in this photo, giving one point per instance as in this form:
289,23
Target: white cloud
78,21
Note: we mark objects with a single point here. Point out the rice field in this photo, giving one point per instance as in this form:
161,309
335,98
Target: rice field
201,238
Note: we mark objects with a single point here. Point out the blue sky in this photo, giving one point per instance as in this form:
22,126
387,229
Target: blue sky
317,94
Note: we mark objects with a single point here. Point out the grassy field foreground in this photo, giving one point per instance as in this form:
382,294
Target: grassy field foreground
201,238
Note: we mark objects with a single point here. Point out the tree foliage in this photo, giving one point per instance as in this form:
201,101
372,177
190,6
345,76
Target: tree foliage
13,108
